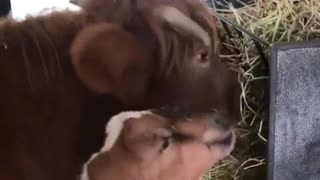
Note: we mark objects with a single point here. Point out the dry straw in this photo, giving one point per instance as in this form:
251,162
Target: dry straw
273,21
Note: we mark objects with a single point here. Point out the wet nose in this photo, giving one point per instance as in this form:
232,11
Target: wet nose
218,120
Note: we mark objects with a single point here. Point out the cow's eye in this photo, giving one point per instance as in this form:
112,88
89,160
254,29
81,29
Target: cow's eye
202,57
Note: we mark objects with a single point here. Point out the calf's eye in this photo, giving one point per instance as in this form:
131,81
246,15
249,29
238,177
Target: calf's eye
166,142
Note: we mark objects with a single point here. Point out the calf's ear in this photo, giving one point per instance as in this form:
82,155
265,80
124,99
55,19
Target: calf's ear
109,60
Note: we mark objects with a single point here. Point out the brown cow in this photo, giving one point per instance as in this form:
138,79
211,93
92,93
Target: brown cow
63,74
171,143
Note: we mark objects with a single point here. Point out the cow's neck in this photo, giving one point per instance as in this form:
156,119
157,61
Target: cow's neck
38,50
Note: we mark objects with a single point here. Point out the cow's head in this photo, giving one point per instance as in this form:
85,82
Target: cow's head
170,143
150,53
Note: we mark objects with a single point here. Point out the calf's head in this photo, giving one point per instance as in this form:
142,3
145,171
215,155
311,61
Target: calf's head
155,52
171,143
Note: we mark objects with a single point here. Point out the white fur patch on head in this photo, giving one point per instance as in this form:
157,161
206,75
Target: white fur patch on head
115,126
84,175
113,130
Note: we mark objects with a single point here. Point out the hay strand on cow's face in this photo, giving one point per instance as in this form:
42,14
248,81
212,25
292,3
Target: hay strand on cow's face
273,21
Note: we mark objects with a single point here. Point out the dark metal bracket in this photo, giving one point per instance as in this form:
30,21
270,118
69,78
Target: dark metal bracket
258,42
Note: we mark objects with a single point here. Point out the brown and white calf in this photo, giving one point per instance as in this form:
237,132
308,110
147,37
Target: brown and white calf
170,143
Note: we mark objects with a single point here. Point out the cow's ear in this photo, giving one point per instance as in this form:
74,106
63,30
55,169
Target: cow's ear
109,60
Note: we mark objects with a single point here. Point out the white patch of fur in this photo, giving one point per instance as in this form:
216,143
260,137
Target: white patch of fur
115,126
113,131
84,175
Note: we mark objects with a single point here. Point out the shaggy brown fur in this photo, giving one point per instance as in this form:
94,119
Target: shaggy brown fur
133,15
53,115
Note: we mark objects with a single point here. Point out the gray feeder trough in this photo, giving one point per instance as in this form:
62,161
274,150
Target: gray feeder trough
294,137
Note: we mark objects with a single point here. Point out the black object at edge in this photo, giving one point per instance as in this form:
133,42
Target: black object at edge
258,42
5,7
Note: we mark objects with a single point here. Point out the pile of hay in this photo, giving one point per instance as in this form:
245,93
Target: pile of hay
273,21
